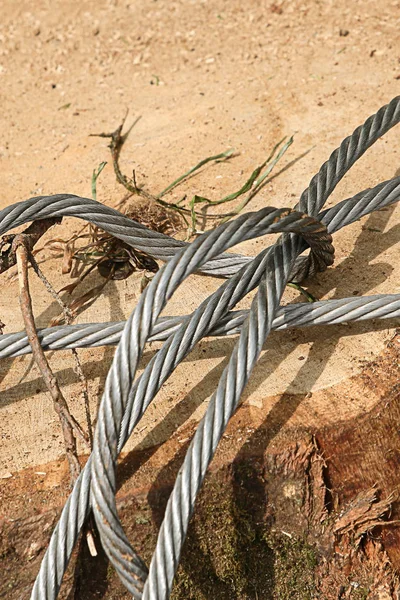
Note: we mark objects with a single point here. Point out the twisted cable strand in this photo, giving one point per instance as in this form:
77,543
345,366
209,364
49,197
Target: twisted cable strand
48,563
333,170
208,434
223,404
340,215
348,211
114,527
56,559
343,158
211,313
93,335
156,244
133,339
220,409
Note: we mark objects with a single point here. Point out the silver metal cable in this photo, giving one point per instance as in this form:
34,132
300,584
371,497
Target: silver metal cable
220,409
355,302
344,213
257,325
103,474
103,468
352,209
159,364
225,401
93,335
134,336
81,492
110,220
343,158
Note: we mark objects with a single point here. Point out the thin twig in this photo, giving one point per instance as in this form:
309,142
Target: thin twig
69,317
49,288
68,423
116,143
85,394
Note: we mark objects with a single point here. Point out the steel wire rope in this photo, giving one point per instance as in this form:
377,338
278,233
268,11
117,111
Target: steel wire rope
158,245
134,336
65,534
171,535
94,335
353,300
50,577
105,450
345,212
230,292
224,402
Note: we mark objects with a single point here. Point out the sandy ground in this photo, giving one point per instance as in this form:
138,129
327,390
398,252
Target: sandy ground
204,77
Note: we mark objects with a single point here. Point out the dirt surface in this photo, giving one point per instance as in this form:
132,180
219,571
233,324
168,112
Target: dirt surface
205,77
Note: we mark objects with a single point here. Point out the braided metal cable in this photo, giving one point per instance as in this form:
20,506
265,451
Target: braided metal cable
348,211
94,335
113,537
254,228
161,365
79,336
212,312
74,513
233,380
165,558
64,538
134,336
110,220
336,307
211,428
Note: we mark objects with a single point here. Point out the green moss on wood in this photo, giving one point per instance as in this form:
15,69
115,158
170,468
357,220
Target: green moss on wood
230,553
